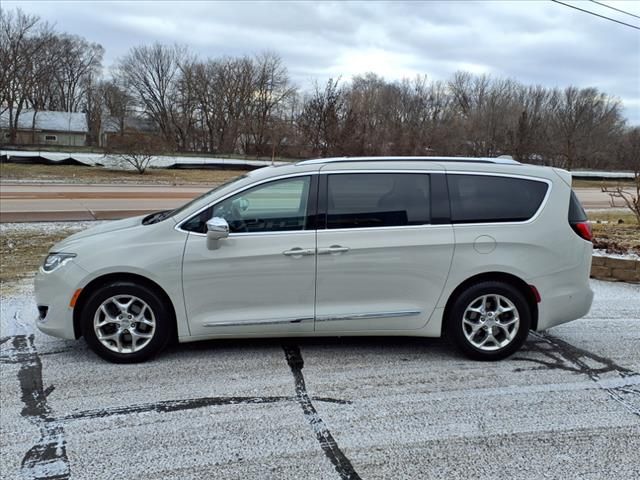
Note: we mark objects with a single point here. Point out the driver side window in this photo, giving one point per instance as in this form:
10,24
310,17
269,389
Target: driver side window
272,207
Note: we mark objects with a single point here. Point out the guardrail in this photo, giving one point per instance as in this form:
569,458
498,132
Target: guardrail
166,161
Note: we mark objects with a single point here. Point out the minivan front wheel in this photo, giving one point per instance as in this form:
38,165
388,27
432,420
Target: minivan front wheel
125,323
489,321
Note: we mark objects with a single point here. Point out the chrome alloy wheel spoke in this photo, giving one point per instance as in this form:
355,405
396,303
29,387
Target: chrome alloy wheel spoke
124,323
490,322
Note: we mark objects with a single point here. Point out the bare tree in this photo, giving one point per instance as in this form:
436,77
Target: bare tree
584,122
532,138
135,150
116,102
151,75
78,63
487,112
183,113
321,120
271,89
25,61
629,157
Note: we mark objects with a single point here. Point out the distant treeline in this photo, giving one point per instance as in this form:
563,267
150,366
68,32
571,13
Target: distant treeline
249,105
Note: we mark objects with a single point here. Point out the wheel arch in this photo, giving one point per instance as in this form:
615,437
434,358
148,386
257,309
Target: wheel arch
508,278
102,280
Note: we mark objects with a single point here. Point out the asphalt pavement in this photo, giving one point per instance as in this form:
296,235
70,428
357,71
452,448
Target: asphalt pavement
566,407
24,202
32,202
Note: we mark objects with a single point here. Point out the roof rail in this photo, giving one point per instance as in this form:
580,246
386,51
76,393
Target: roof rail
499,160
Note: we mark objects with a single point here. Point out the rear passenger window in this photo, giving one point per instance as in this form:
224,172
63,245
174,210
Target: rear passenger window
377,200
483,198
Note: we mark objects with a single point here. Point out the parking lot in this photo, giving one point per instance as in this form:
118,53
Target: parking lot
567,406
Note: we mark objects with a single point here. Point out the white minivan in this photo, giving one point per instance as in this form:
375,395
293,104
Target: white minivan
479,250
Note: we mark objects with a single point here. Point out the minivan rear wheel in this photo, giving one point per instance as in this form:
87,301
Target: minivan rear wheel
489,321
124,322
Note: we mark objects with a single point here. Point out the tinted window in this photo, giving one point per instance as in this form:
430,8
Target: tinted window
276,206
576,212
482,198
377,200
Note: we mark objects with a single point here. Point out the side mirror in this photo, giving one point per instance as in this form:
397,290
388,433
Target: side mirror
217,228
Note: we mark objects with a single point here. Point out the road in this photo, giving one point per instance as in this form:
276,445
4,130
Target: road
566,407
25,202
58,202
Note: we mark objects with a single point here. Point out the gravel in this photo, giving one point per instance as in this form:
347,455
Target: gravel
567,406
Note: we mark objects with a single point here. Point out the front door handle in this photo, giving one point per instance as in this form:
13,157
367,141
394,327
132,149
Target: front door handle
333,249
299,252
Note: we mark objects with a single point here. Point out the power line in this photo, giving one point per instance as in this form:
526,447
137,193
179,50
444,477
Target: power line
616,9
596,14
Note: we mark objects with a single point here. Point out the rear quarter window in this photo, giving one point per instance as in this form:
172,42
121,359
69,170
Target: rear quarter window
576,212
486,198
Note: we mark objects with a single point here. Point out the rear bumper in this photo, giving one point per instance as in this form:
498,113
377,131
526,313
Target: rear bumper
563,307
565,295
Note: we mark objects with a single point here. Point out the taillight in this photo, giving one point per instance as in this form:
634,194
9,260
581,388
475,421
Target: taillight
584,230
578,218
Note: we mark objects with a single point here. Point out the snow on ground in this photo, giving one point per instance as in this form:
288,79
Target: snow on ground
567,406
48,227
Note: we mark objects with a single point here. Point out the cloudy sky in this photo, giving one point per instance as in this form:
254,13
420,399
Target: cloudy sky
538,42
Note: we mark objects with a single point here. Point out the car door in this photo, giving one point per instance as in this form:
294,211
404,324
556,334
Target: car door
383,257
261,278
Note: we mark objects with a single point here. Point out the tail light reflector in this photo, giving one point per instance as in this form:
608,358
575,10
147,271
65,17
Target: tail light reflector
584,230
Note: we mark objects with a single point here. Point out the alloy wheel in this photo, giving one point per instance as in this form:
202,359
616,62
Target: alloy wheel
490,322
124,323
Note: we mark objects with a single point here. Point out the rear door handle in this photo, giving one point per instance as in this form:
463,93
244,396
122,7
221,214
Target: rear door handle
299,252
333,249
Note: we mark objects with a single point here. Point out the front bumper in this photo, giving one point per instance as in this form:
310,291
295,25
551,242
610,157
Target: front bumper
54,290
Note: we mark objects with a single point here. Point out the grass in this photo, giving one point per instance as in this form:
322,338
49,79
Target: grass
616,232
82,174
22,252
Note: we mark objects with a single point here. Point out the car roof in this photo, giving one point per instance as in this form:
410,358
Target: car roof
481,165
503,160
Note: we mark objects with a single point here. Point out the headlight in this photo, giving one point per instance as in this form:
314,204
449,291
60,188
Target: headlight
55,260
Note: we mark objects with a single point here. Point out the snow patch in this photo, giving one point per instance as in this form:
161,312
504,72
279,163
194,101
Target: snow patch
598,252
48,227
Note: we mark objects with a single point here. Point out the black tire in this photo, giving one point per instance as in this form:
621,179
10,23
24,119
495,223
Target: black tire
160,335
454,326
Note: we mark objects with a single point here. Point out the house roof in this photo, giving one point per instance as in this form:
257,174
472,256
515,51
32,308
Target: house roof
49,121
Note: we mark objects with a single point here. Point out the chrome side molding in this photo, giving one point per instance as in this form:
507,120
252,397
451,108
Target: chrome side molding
271,321
362,316
321,318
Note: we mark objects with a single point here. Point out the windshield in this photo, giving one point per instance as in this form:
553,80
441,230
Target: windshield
164,214
187,205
